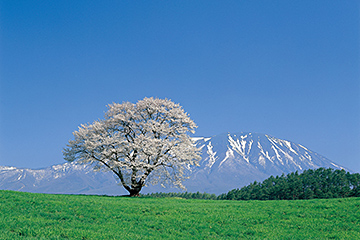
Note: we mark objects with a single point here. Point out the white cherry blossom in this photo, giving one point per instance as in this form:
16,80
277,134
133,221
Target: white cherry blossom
142,143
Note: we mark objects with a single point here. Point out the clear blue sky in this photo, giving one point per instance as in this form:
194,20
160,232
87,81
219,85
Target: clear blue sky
290,69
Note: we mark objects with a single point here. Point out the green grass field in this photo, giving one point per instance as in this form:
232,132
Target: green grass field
46,216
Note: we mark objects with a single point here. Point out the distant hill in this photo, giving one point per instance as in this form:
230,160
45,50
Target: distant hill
228,161
69,178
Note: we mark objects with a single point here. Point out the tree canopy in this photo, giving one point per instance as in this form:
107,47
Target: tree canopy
142,143
319,183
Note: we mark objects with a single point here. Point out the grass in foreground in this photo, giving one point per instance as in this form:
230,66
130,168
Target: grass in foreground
46,216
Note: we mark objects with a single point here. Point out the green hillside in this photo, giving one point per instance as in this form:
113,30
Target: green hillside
46,216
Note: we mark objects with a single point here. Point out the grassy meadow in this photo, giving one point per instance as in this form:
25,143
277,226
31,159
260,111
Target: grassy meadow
47,216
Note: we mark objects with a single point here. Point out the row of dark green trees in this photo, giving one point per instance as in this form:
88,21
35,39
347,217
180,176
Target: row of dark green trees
186,195
319,183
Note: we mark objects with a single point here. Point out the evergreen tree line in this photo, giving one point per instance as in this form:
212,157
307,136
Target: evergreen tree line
186,195
319,183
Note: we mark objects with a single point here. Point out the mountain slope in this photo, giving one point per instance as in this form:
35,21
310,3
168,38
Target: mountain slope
228,161
234,160
69,178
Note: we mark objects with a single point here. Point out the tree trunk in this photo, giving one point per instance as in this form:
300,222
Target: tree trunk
136,186
135,192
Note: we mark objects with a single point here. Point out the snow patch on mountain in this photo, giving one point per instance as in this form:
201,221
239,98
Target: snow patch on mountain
212,155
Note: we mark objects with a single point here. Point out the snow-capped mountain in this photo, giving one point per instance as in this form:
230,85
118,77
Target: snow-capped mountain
228,161
69,178
234,160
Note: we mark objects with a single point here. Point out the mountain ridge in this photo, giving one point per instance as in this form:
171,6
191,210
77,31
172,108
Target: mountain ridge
228,161
235,160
